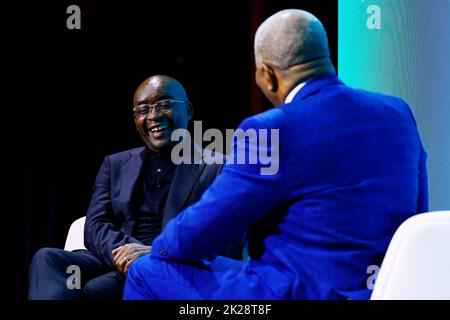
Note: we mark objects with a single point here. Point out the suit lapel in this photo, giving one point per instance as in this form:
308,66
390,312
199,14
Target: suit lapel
186,175
130,174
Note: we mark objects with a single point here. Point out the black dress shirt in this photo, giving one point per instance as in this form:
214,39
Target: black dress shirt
151,194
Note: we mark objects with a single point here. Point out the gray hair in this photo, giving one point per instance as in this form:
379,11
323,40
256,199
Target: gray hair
290,37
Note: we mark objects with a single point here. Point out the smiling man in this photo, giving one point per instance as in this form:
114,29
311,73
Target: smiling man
135,194
160,106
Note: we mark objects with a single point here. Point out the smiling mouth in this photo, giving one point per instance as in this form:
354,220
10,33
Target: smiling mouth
158,128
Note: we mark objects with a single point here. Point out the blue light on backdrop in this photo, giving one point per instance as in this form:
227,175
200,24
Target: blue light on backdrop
402,47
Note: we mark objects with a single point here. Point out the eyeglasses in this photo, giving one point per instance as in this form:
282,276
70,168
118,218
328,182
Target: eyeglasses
163,106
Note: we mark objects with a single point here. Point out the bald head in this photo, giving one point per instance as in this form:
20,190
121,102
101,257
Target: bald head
290,47
290,37
159,85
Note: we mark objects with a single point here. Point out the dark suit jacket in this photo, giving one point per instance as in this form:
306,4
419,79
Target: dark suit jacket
351,170
110,220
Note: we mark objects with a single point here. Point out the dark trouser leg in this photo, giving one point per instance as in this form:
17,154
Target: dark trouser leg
49,273
105,287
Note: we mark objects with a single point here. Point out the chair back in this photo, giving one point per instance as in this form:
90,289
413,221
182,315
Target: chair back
417,262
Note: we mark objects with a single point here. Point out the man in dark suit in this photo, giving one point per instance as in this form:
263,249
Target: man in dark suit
351,169
135,194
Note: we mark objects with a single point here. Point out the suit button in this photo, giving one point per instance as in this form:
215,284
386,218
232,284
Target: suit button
163,252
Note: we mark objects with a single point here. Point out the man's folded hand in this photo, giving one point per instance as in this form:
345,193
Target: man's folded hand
126,254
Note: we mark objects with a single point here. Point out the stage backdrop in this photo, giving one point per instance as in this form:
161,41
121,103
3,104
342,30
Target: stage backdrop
403,48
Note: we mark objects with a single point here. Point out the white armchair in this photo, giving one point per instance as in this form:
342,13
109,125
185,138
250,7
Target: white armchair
417,262
75,237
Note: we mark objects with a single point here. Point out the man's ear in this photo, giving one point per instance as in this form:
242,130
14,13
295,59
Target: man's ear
269,77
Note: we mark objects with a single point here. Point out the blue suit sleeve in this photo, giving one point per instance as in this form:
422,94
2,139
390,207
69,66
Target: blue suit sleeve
422,202
239,196
423,197
101,235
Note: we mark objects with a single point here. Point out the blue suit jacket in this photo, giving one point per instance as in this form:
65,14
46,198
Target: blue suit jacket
351,170
110,220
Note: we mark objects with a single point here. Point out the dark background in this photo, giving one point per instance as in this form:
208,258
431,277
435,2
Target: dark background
66,97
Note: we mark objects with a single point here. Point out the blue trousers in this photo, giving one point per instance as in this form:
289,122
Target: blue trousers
155,279
48,276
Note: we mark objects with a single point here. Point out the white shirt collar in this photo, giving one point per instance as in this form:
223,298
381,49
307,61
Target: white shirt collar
293,92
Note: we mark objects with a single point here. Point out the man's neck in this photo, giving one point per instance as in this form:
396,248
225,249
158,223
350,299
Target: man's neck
300,73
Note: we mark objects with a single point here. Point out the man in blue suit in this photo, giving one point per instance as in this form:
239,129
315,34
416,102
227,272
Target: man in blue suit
351,170
136,193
